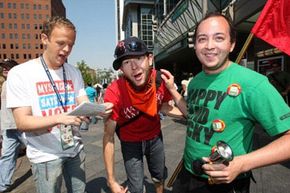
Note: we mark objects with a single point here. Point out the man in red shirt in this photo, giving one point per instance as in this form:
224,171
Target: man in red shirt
137,97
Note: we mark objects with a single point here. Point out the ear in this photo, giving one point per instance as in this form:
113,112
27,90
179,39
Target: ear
232,46
150,59
44,39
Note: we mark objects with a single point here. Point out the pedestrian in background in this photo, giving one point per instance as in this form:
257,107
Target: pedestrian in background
40,102
12,138
225,102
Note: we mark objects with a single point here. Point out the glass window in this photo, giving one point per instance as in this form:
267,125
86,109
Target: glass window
11,46
9,5
22,5
10,25
15,26
39,6
12,56
14,15
16,46
34,6
22,26
1,5
26,5
2,25
27,16
24,56
3,46
27,26
11,36
2,15
22,15
14,6
3,35
16,36
146,27
17,56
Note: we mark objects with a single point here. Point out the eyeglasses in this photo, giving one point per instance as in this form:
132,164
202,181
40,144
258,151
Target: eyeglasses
133,46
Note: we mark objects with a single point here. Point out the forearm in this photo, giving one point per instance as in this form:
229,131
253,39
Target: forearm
275,152
179,101
109,157
36,123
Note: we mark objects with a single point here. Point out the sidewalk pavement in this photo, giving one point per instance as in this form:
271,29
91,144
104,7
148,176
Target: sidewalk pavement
271,179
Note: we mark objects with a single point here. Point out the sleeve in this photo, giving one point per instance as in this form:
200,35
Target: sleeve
269,108
167,95
78,83
18,94
111,95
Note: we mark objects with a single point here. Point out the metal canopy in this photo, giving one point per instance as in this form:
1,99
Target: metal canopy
177,23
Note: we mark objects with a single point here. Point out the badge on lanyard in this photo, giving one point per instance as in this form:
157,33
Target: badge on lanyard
66,136
234,90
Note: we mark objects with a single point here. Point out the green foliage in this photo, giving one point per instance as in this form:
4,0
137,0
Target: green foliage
95,76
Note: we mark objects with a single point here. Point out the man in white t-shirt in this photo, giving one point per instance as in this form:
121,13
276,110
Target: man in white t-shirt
39,102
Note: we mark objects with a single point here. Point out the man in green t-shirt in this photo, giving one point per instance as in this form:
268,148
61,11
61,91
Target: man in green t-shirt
224,103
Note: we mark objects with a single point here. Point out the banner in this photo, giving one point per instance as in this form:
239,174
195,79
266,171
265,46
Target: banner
273,24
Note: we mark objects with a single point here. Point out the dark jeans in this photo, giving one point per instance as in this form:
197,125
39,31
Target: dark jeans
133,153
189,183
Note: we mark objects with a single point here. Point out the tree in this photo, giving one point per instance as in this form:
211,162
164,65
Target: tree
100,75
89,75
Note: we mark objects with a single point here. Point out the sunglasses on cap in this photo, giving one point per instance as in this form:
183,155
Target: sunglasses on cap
132,46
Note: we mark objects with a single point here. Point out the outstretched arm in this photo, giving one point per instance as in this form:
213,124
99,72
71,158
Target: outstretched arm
109,156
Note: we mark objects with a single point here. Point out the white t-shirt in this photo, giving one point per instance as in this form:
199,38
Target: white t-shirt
29,85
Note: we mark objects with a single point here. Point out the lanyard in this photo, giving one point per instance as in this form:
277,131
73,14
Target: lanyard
53,84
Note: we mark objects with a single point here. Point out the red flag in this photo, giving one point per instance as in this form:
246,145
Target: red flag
273,24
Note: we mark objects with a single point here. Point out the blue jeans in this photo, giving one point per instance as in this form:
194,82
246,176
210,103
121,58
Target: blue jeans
12,139
133,153
48,175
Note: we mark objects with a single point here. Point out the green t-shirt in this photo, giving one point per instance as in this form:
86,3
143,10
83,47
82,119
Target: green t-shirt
252,100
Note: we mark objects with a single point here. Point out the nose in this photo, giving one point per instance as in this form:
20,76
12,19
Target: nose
134,63
210,44
67,48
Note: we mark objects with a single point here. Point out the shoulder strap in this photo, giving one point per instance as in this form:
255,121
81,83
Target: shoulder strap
158,79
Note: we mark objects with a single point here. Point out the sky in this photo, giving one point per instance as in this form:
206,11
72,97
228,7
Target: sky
96,34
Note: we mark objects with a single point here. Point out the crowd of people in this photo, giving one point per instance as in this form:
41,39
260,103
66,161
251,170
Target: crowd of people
223,102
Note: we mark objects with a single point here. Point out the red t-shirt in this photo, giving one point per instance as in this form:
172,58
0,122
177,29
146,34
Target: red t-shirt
145,127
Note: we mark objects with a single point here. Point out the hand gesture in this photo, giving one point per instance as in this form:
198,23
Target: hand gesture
168,78
222,173
117,188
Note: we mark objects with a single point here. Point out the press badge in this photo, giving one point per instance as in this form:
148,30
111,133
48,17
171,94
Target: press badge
66,137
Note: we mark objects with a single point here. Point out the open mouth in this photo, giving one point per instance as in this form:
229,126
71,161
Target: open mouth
138,76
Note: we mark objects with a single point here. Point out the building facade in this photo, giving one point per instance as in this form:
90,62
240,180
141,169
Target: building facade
21,24
175,20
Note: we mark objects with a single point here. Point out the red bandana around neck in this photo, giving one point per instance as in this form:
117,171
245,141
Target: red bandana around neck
146,100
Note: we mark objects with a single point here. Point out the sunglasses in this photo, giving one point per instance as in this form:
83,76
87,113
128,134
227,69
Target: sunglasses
133,46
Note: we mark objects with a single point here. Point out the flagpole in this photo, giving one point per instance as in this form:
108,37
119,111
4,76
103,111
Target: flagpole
244,48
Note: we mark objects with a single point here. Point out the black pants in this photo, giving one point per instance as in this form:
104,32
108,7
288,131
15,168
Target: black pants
188,183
